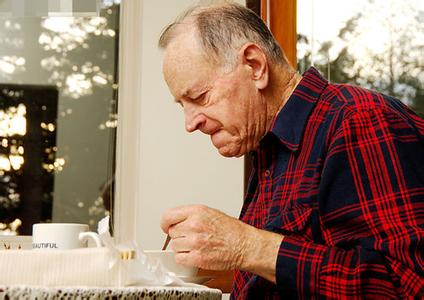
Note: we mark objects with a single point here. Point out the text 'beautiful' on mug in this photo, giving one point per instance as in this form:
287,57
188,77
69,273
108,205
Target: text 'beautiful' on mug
62,236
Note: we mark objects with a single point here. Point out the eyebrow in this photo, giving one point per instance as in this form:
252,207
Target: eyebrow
183,95
186,93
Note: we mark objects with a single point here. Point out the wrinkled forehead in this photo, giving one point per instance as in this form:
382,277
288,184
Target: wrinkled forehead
181,49
184,63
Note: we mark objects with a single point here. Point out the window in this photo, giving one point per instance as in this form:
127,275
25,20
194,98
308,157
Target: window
58,117
376,44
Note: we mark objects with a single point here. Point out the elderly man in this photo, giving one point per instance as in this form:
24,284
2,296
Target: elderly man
334,207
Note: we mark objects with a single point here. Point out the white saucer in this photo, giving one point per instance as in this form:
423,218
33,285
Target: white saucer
195,279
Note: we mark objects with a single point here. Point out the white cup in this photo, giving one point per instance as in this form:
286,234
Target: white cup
62,236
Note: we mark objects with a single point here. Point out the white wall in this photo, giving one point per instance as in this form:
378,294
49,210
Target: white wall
177,168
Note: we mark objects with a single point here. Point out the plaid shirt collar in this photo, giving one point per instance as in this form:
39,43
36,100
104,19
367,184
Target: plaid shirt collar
291,121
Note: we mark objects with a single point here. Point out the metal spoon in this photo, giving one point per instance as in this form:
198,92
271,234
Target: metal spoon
165,245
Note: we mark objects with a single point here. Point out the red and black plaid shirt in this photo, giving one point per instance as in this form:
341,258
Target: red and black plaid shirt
341,176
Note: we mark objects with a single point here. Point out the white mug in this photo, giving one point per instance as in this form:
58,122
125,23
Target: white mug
62,236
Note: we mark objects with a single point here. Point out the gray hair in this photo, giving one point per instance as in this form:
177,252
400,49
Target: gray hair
223,29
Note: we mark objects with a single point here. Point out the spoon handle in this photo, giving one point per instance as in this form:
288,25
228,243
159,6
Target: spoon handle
165,245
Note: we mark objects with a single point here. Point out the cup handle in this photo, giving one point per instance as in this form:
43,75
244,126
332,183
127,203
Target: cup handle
93,235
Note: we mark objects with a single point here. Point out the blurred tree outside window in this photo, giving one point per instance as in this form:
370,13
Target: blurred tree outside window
377,44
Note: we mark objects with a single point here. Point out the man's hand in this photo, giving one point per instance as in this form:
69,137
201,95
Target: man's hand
209,239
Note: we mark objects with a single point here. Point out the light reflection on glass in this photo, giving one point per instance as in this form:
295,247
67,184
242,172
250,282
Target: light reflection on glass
106,3
50,126
13,121
10,228
100,79
97,208
4,163
111,123
16,161
10,64
78,85
80,82
56,166
60,37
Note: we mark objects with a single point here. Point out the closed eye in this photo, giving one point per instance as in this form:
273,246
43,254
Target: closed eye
199,98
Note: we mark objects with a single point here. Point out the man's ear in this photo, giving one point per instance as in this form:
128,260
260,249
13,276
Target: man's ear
254,58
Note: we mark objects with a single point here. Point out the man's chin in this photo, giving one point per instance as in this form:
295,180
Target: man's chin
227,151
227,148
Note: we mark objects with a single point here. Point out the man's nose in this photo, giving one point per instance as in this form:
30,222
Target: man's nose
193,120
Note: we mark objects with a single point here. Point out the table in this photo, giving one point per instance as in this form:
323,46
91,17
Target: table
159,293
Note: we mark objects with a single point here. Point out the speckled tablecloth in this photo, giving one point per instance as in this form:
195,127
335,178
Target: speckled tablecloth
36,292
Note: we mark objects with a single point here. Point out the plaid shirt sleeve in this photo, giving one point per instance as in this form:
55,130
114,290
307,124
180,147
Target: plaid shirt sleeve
371,207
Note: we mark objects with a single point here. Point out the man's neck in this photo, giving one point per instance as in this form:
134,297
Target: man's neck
284,85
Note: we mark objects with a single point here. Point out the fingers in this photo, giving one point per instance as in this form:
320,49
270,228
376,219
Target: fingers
191,258
176,215
196,259
181,244
173,216
205,237
184,258
177,231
